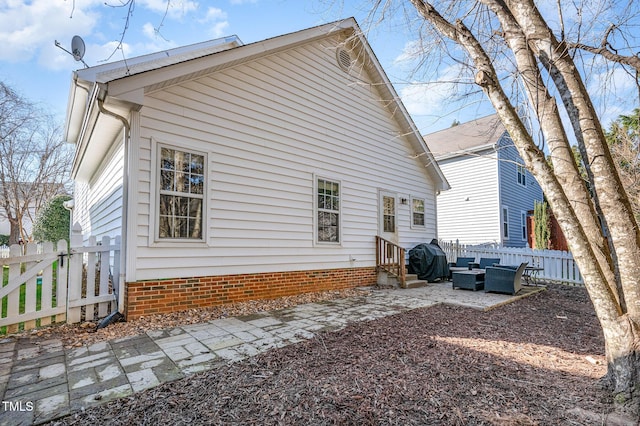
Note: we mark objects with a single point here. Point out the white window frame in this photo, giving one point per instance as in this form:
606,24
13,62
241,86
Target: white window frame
523,225
155,188
424,213
505,222
317,210
521,172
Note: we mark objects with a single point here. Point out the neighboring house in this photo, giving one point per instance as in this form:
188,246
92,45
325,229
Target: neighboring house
238,172
491,191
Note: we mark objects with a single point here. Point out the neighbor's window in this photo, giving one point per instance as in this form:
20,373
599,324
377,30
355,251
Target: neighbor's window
523,225
522,175
181,194
417,212
328,211
505,223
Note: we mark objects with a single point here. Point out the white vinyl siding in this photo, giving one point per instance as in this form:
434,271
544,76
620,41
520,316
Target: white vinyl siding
470,211
98,203
268,127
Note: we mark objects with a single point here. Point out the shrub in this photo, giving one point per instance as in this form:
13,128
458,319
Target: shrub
52,223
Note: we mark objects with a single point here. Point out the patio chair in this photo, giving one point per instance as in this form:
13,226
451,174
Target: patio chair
487,261
504,278
462,261
460,264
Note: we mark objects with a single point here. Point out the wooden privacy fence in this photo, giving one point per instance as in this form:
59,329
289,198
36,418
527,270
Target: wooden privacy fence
44,284
557,266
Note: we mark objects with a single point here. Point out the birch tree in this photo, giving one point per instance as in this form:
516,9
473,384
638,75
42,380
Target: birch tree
512,53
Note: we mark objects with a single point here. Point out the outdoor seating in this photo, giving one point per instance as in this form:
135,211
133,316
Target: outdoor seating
460,264
504,278
462,261
487,261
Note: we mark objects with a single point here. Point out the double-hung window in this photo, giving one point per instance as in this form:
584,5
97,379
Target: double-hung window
181,194
505,222
522,174
417,212
328,211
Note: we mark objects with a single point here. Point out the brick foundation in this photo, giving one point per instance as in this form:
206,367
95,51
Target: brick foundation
171,295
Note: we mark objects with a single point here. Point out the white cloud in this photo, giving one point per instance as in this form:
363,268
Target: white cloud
614,92
432,98
28,30
214,14
215,21
219,29
174,9
410,52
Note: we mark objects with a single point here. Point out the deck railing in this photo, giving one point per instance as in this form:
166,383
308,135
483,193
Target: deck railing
391,259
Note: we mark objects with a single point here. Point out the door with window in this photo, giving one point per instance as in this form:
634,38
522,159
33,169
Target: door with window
388,215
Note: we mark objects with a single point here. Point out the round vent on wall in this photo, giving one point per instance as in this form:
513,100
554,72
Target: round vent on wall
344,59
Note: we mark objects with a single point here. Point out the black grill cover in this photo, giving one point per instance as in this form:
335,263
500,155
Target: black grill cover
429,262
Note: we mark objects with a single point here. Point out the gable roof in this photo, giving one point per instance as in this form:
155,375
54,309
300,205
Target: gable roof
101,97
469,137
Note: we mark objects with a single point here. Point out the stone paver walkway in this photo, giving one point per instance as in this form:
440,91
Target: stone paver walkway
42,381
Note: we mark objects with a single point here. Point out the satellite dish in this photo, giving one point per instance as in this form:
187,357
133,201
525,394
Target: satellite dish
77,48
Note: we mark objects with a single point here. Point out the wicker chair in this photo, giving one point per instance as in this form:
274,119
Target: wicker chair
487,261
504,279
460,264
463,261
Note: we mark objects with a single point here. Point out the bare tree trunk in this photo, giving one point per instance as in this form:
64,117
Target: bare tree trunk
622,339
616,305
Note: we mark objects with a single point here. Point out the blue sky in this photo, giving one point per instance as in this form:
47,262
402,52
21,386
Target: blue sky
32,64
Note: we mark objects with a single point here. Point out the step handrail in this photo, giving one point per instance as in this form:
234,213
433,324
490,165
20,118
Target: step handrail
390,258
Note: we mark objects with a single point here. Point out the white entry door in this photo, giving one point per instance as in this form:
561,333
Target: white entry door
388,215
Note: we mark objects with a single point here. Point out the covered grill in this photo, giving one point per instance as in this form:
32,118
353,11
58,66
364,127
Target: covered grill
428,261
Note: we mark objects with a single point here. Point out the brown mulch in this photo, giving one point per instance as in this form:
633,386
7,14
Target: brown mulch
533,362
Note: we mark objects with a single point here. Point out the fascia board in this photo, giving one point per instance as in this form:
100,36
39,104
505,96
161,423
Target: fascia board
464,152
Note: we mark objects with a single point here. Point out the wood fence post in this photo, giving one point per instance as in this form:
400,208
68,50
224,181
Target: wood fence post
75,275
30,290
62,278
46,285
105,254
13,299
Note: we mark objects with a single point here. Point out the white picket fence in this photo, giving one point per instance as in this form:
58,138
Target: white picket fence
43,283
557,266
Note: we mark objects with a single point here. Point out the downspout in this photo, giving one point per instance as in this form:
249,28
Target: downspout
496,149
125,205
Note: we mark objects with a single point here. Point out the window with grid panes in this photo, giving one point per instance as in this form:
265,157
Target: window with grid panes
328,211
417,211
181,195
